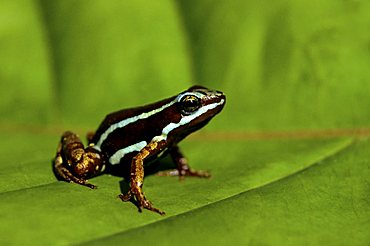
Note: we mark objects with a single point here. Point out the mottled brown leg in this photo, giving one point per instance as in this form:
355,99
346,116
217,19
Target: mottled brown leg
75,164
137,178
65,174
183,168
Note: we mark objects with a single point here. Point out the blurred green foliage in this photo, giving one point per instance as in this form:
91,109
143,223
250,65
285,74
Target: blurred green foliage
284,65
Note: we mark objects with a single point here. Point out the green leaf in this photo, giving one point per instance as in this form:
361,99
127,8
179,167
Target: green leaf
289,155
47,205
326,203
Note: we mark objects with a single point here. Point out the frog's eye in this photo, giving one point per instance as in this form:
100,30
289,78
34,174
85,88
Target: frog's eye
189,104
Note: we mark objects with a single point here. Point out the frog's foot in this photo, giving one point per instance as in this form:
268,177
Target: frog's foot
142,202
66,175
74,163
185,172
182,167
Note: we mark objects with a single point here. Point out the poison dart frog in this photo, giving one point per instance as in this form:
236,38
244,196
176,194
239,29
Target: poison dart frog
136,137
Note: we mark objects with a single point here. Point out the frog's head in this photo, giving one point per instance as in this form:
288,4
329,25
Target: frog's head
197,106
200,103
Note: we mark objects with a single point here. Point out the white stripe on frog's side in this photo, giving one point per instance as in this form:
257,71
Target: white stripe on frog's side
141,116
185,120
127,121
116,157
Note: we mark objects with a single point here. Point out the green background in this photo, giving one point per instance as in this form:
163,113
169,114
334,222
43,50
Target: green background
289,154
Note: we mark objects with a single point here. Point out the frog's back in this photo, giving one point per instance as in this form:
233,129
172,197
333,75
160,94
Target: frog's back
129,130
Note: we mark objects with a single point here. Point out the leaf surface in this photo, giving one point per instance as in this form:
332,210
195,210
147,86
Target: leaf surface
289,154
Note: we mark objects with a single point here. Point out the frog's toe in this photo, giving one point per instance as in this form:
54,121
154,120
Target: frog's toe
148,205
125,197
172,172
199,173
141,201
185,173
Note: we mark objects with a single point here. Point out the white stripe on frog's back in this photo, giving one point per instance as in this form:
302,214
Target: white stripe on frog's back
127,121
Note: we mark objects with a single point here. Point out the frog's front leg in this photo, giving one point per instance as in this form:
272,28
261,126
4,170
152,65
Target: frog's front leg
182,167
137,177
74,163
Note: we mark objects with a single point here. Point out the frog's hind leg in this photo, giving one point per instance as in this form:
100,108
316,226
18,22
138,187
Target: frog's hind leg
64,174
182,167
73,163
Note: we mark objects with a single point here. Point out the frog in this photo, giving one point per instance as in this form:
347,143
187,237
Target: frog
135,137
